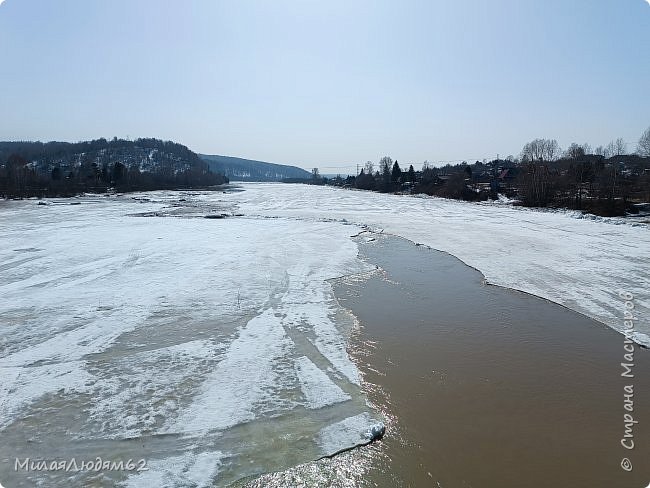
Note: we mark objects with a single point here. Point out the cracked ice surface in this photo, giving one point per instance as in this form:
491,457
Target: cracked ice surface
582,262
208,342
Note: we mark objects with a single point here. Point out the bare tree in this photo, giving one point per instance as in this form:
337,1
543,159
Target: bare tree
551,150
528,151
643,147
582,173
385,162
620,147
541,150
574,151
616,148
537,186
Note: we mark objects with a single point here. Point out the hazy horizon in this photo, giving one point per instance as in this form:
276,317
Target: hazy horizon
328,85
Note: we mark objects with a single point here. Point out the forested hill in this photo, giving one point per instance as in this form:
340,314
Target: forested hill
63,168
250,170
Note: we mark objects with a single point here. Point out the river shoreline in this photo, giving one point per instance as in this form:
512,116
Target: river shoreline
480,386
484,385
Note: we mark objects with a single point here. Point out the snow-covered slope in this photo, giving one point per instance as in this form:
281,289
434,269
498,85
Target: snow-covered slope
582,263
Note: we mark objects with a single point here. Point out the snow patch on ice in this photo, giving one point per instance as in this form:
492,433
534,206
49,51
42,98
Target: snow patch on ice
331,345
196,470
77,343
21,386
352,431
241,381
136,393
318,388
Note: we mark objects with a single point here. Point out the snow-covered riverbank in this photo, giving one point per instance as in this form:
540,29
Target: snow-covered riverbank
582,263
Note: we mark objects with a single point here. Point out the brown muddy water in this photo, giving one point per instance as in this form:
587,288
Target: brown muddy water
481,386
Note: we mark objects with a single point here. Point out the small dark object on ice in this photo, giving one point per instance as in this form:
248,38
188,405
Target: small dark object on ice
376,432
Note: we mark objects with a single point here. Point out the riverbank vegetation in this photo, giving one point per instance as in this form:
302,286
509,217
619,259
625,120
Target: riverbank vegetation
59,169
604,181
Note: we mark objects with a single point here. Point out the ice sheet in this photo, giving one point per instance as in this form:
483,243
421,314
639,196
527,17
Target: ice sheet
356,430
582,262
134,318
319,390
197,470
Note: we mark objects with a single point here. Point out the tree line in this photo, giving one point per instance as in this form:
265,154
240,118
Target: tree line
64,169
604,181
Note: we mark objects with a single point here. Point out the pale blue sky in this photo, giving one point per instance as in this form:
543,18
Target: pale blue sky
329,83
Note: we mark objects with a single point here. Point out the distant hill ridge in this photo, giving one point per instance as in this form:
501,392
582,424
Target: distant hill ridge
239,169
63,168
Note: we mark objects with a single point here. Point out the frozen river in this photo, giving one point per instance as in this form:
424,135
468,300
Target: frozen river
132,327
582,262
135,328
